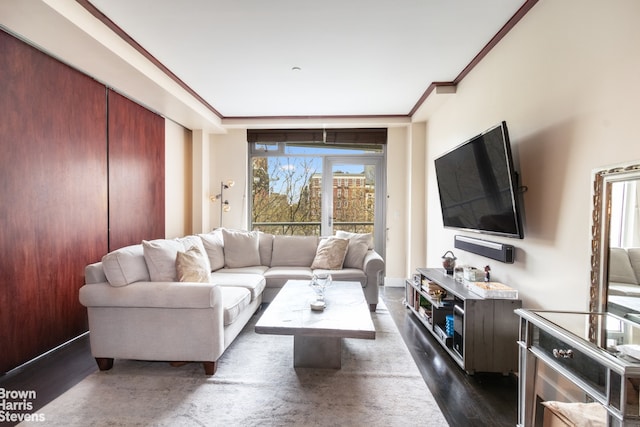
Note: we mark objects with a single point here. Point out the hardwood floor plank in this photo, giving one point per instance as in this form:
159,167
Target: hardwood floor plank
465,400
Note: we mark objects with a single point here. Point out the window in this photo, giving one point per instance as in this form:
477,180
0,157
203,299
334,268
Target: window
286,182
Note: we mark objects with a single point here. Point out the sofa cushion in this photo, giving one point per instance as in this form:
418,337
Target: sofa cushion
241,248
160,256
125,265
330,253
265,247
234,301
151,295
254,283
278,276
293,251
254,269
620,269
214,246
193,266
366,238
356,251
634,257
345,275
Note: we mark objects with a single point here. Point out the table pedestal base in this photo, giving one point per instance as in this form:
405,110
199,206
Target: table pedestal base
317,352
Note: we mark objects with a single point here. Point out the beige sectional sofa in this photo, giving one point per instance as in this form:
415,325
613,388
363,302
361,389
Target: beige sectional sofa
187,299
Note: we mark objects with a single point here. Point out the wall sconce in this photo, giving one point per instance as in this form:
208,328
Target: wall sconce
225,206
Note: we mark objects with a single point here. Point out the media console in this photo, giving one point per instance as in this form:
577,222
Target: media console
480,334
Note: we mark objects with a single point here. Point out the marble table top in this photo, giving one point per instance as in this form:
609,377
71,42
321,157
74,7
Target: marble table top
346,314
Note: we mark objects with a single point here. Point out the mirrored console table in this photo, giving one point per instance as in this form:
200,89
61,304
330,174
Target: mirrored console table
580,358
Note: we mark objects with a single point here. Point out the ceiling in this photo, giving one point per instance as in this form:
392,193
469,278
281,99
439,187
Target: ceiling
281,58
215,65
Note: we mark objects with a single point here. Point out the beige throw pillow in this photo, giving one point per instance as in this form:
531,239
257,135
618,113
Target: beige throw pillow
366,238
214,247
241,248
192,266
330,253
356,251
160,256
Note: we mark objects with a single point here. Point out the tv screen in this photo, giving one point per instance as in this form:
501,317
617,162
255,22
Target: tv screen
478,185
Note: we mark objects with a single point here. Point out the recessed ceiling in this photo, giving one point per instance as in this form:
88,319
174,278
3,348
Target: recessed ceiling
355,58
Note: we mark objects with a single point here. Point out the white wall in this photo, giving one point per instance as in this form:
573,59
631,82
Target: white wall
397,205
229,161
177,180
566,80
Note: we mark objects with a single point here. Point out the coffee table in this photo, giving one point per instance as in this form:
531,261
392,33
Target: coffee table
317,335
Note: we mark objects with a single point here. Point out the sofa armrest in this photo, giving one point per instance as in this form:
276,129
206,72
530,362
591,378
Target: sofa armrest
152,295
94,273
372,266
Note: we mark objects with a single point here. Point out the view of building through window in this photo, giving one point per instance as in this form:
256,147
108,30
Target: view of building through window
288,191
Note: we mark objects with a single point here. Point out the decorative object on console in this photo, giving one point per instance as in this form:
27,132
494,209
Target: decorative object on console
493,290
472,274
449,262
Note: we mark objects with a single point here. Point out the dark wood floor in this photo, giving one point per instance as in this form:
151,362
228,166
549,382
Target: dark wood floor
465,400
477,400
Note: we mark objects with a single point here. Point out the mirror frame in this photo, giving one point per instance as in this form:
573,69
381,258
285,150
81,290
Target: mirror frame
600,227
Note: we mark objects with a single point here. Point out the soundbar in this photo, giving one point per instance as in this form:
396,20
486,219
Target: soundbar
498,251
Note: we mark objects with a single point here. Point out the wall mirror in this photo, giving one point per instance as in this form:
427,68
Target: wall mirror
615,244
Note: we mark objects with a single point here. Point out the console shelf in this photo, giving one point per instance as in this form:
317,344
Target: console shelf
483,333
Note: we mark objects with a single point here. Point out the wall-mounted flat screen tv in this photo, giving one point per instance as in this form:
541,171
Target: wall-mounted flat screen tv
478,185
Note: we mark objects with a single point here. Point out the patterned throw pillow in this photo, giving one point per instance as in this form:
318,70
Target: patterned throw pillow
330,253
192,266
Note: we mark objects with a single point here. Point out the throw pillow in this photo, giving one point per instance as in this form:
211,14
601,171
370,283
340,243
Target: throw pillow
294,251
193,266
356,251
366,238
160,256
241,248
620,269
330,253
125,265
214,247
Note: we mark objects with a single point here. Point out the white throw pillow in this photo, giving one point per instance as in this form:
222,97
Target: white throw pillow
366,238
330,253
160,256
356,251
241,248
294,251
125,265
214,247
620,269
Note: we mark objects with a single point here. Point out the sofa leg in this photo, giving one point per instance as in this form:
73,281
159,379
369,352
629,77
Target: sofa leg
372,307
104,363
210,367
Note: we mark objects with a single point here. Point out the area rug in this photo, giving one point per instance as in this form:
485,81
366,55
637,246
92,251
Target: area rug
256,385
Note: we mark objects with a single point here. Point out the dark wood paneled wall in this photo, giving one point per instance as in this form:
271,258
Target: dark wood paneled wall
136,173
53,198
69,170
